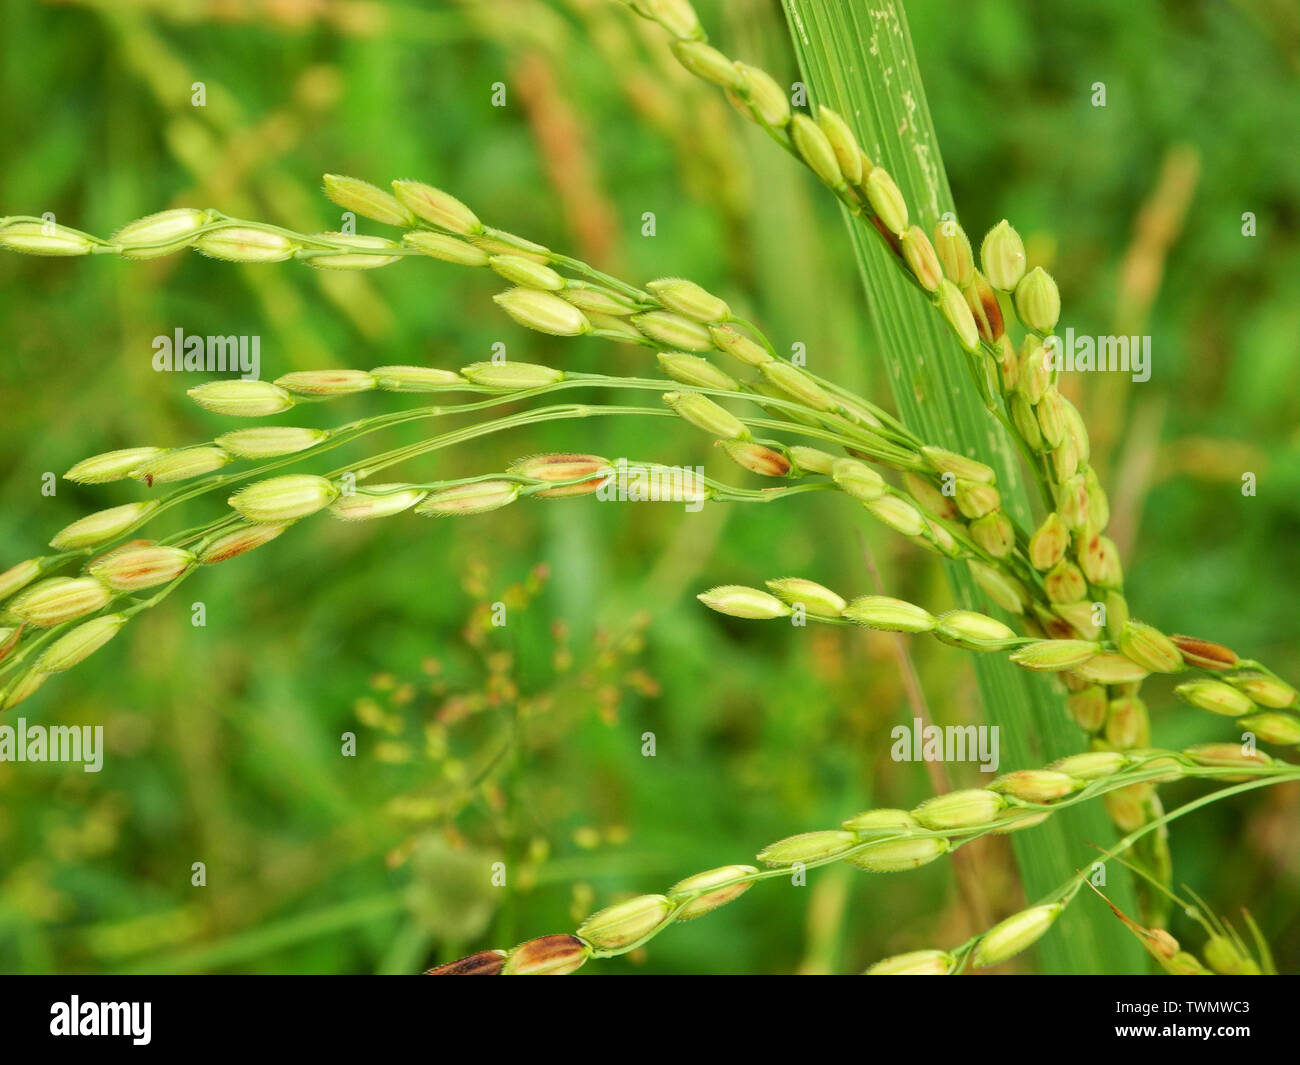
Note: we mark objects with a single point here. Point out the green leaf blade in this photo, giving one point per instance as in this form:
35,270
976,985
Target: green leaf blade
858,59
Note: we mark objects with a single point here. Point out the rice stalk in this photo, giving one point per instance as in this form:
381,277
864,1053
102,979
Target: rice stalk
924,293
887,841
1019,931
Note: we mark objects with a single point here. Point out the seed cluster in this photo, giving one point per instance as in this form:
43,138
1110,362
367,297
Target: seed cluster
1262,702
1062,580
882,841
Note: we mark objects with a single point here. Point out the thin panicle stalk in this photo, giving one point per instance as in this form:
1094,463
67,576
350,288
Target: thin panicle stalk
894,841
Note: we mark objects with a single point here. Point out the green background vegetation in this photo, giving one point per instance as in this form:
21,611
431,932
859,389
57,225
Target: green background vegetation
523,743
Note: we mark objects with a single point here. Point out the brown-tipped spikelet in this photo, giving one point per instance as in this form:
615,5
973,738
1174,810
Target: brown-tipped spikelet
484,963
1202,654
757,458
239,542
554,955
984,308
574,474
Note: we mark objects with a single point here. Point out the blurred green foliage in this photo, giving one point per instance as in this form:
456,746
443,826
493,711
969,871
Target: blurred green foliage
523,743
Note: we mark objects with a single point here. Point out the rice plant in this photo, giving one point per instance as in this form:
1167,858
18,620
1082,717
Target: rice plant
1051,571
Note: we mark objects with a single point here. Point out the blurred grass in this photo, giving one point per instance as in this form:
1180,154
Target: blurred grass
223,740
